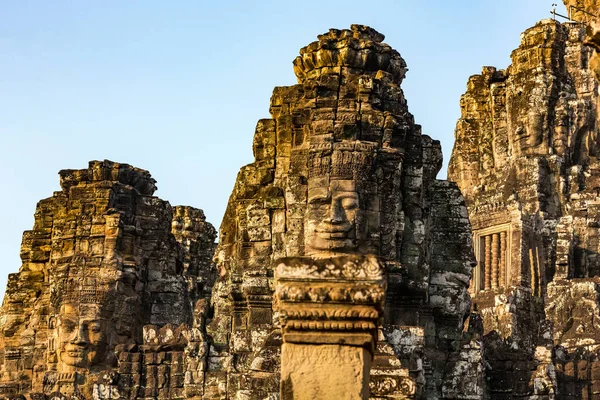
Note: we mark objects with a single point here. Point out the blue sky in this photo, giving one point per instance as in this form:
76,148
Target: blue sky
177,87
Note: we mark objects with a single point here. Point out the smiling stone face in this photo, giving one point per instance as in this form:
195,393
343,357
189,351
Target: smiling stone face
82,335
332,216
342,214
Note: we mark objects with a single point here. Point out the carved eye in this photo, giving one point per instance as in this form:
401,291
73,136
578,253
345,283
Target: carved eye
317,200
68,326
95,327
319,195
350,203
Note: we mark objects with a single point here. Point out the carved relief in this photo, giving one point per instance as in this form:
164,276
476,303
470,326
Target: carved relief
525,158
100,263
82,335
332,301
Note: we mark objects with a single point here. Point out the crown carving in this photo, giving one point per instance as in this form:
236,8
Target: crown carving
343,161
85,292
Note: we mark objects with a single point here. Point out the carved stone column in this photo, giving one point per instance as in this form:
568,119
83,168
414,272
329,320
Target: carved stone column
495,259
487,269
329,311
502,272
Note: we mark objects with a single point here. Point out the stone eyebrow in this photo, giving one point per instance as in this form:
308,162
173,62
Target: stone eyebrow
347,193
319,194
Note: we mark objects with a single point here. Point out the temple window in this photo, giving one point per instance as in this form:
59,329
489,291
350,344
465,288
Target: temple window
492,250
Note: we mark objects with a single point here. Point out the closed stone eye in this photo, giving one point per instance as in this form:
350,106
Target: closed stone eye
350,203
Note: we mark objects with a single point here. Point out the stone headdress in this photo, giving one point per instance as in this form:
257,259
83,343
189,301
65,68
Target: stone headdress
81,290
343,160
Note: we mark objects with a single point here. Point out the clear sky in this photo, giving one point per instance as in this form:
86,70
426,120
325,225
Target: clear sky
176,87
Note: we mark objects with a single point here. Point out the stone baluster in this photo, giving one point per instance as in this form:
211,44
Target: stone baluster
503,264
488,263
495,259
532,271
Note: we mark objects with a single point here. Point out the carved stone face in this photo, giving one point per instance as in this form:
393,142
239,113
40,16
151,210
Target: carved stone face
337,219
529,135
82,335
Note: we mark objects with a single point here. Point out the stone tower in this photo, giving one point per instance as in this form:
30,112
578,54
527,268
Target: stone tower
342,269
101,262
526,159
340,233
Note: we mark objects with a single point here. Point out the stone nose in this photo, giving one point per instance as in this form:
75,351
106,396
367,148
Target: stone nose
337,214
79,336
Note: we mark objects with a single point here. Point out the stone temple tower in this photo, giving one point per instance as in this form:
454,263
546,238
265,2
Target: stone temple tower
339,247
104,261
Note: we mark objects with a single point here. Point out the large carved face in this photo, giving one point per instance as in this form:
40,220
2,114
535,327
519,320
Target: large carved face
528,136
338,219
82,335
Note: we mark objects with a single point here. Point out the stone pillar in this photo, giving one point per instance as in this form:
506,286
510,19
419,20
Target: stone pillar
503,264
487,269
495,259
329,311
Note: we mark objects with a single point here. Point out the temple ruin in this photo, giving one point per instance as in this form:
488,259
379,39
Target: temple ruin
332,277
342,172
344,268
106,268
526,160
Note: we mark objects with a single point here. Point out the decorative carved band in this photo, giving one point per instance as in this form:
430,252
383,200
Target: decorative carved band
331,325
342,161
347,268
318,299
331,313
301,292
84,291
